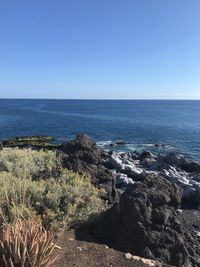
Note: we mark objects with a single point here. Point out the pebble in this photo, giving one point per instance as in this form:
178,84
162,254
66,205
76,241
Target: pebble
79,248
145,261
137,258
128,256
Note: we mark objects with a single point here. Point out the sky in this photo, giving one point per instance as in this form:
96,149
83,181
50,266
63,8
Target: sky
100,49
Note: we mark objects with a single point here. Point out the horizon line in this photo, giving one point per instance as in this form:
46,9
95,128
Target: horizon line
104,99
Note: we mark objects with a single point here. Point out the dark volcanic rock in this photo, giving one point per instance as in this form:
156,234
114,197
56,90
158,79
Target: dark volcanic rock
83,148
190,222
134,155
36,142
83,156
146,154
120,143
175,159
192,167
145,224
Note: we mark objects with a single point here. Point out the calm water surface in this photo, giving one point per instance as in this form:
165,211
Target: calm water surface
141,124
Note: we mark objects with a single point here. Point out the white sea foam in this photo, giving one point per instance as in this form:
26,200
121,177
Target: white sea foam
104,143
132,147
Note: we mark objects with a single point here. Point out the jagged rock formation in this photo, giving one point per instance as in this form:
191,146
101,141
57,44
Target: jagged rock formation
144,222
83,156
172,167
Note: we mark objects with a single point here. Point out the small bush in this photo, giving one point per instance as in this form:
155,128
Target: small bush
26,244
60,200
27,163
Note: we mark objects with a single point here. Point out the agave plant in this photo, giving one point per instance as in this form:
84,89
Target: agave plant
27,244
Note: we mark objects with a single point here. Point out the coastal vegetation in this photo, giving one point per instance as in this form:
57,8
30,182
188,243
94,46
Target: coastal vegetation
26,243
37,198
34,183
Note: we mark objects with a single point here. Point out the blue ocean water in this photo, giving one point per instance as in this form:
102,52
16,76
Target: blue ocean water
140,123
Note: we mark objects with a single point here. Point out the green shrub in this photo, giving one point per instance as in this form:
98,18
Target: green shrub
27,163
60,198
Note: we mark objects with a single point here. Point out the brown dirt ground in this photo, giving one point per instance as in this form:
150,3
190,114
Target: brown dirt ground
78,253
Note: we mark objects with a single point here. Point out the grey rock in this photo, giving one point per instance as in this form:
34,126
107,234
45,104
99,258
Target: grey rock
147,154
175,159
122,180
125,165
148,162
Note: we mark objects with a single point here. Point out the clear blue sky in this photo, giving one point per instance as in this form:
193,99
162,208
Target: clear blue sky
100,49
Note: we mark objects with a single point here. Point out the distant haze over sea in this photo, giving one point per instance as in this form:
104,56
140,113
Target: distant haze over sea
139,123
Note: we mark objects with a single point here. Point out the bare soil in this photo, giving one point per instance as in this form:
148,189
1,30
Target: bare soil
79,253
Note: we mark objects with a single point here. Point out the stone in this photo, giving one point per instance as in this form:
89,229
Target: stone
146,154
192,167
175,159
125,166
120,143
148,162
128,256
83,148
36,142
83,156
134,155
122,180
146,261
79,249
144,222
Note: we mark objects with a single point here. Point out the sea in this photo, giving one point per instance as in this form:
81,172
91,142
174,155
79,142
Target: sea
159,126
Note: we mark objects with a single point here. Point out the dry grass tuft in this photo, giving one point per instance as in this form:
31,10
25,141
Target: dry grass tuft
27,244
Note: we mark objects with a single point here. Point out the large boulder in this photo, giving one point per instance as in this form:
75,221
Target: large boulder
190,187
123,181
144,222
83,148
83,156
147,154
178,160
192,167
175,159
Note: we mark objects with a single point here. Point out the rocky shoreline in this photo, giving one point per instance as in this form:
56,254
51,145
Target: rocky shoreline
154,200
119,170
